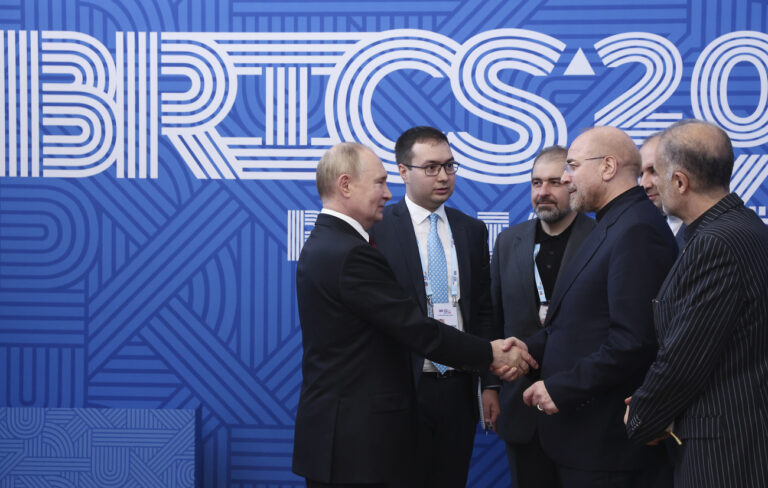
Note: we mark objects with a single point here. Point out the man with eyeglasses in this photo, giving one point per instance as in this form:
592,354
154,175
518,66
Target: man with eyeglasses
598,340
440,257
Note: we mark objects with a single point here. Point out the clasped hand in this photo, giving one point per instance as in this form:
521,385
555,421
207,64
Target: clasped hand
511,359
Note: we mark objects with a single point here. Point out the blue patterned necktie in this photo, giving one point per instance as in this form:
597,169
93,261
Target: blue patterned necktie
438,271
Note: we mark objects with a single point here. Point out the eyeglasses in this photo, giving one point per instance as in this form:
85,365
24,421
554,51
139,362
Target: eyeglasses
434,168
570,166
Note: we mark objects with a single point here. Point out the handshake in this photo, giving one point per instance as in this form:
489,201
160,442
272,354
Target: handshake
511,359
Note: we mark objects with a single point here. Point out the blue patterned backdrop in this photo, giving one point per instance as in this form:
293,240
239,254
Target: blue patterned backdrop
158,157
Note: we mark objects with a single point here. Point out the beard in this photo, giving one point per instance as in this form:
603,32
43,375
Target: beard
551,215
578,201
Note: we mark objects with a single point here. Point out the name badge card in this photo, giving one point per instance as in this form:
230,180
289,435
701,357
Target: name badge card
543,312
446,313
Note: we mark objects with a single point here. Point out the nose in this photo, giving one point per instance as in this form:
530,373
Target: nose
646,182
387,193
565,179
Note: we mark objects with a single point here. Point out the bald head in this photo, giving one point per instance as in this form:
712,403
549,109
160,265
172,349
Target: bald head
603,163
701,150
610,141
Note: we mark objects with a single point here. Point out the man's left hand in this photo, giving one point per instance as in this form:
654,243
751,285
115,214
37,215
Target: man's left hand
537,395
491,407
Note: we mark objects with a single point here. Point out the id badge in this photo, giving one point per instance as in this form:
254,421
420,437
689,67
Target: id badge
543,312
446,313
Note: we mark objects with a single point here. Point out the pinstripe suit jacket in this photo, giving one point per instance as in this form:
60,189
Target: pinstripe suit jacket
711,373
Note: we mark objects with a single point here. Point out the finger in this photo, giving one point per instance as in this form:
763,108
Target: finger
512,375
527,394
509,342
517,342
551,410
523,367
501,370
627,400
529,359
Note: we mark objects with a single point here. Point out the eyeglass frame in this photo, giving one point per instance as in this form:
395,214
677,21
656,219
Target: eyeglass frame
570,168
444,166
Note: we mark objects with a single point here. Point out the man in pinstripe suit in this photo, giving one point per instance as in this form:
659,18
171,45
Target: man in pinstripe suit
709,382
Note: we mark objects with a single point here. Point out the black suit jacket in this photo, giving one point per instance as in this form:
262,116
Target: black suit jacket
711,373
513,292
396,239
355,421
598,341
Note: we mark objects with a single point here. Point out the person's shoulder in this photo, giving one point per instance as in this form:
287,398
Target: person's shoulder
521,229
583,220
739,230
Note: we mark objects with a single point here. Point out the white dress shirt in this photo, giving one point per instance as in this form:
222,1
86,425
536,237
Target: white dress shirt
674,223
420,220
346,218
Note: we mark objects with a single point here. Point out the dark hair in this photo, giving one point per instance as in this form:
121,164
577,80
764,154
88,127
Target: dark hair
551,151
706,155
404,144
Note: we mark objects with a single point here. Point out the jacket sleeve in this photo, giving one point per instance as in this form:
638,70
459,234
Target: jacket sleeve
700,315
370,290
482,306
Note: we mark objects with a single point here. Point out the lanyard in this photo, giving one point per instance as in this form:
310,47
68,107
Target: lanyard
539,284
454,275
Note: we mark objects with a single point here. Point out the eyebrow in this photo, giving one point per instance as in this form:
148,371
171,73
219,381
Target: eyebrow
433,161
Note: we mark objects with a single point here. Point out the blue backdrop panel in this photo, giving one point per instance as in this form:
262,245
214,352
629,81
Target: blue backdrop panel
158,157
97,447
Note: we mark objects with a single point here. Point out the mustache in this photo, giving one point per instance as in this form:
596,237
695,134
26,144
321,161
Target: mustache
545,200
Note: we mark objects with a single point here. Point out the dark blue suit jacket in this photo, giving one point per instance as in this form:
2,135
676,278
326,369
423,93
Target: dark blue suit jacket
355,419
396,239
599,340
513,293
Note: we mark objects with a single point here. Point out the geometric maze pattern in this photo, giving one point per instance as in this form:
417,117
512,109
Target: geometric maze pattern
158,295
97,447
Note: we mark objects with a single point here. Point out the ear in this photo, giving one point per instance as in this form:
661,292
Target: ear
343,185
680,182
608,168
403,172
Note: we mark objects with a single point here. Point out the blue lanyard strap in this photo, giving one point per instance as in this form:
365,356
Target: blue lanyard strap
539,284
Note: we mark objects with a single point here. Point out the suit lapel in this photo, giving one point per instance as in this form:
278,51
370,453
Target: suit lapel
726,203
568,275
523,262
409,245
584,255
461,241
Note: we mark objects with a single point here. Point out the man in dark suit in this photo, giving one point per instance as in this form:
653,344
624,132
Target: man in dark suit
520,305
598,340
710,377
355,424
447,400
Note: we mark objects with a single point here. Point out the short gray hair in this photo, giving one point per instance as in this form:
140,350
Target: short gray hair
343,158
